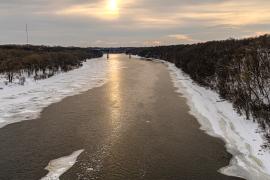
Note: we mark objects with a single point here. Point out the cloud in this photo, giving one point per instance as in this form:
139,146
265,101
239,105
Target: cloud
260,33
105,10
152,43
180,37
131,22
235,13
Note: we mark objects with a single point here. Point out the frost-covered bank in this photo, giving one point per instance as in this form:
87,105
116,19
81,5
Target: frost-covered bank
238,70
26,102
217,117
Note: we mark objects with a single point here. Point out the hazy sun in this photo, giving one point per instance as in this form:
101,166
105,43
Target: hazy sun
113,6
106,9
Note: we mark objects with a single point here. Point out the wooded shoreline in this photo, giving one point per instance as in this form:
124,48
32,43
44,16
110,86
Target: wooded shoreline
239,70
41,61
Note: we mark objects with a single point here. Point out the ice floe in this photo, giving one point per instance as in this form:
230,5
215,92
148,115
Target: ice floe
59,166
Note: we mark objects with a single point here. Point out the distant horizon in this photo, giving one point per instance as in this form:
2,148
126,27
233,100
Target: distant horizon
67,46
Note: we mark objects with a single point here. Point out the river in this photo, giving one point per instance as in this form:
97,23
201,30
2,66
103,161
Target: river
134,127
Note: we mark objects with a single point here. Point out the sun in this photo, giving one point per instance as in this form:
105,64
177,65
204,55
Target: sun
113,6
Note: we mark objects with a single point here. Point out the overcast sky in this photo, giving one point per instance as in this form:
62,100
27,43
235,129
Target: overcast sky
131,22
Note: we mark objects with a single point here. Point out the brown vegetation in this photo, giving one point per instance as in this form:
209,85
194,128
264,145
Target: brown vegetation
41,61
239,70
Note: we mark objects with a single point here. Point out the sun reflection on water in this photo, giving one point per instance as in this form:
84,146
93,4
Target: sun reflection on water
115,92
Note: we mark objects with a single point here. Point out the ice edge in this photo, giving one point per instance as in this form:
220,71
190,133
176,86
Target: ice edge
219,119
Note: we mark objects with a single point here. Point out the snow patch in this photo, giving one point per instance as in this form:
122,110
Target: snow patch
59,166
218,118
20,103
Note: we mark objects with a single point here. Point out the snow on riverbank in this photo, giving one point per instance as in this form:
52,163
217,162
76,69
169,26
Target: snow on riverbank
20,103
59,166
218,118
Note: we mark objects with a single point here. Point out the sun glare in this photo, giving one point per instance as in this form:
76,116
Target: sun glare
106,9
113,6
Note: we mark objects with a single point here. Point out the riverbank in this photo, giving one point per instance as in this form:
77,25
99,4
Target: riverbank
244,139
25,102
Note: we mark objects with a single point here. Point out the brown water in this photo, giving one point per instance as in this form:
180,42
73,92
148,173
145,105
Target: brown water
133,127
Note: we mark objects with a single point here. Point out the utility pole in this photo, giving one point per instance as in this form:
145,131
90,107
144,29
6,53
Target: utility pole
27,35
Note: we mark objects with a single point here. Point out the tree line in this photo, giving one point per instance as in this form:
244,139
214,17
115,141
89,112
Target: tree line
41,61
239,70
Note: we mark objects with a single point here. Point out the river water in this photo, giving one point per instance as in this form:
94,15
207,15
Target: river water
134,127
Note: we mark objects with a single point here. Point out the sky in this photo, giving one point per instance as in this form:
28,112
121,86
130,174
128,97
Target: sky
115,23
